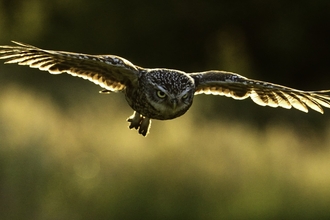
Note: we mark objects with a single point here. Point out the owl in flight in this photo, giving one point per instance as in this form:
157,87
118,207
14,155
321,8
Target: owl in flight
160,93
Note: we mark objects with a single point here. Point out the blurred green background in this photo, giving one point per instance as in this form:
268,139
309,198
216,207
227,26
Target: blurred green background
66,152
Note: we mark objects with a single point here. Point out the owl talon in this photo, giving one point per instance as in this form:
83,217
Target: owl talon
135,120
144,126
140,122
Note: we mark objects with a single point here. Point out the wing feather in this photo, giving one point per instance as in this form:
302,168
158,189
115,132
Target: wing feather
262,93
111,72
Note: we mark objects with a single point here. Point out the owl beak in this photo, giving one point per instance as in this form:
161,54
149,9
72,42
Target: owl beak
174,103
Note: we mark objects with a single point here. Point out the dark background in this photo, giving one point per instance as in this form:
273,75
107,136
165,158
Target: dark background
165,176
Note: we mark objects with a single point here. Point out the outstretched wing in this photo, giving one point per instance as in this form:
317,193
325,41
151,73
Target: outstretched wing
262,93
112,73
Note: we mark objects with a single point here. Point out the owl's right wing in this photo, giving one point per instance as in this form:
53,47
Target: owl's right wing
111,72
262,93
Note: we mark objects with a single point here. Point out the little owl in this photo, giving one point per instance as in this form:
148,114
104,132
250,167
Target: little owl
160,93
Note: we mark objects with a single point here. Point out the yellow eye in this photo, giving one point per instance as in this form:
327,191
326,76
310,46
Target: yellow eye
185,96
161,94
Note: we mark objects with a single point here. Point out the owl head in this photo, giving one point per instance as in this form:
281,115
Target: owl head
170,92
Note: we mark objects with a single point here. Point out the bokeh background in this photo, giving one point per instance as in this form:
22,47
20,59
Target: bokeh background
66,152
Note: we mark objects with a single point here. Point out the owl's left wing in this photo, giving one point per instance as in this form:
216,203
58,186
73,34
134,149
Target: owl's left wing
262,93
111,72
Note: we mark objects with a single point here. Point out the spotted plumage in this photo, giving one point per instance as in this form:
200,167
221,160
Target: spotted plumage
160,93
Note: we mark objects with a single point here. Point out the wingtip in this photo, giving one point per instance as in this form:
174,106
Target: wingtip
21,44
321,111
16,42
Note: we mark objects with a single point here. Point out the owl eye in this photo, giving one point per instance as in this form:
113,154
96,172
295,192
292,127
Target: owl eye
185,96
161,94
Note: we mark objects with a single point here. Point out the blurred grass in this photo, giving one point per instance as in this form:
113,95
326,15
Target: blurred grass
83,163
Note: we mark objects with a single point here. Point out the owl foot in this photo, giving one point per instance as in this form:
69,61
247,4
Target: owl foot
140,122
